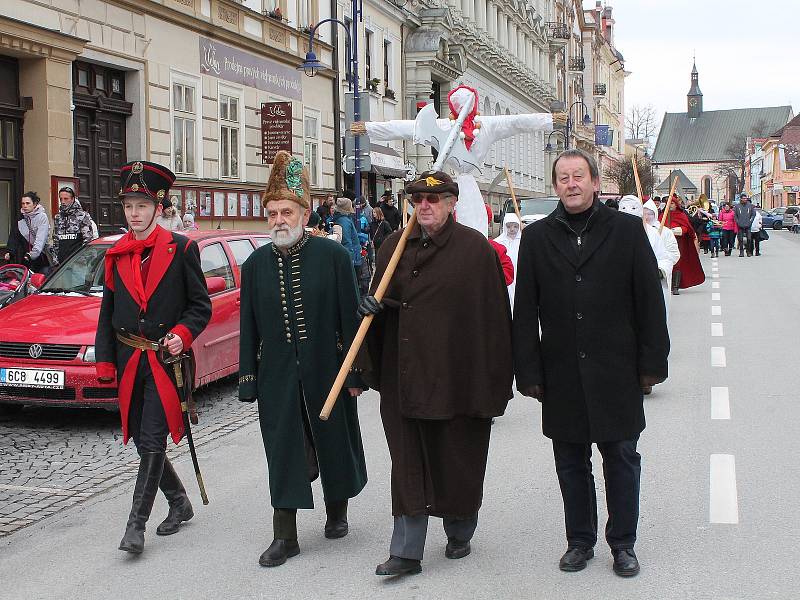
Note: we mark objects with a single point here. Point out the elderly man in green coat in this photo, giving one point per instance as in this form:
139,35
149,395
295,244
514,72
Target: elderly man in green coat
298,316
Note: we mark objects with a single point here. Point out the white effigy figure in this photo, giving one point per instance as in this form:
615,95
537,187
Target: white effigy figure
479,132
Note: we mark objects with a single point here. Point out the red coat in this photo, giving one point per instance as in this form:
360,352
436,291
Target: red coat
505,261
176,300
689,263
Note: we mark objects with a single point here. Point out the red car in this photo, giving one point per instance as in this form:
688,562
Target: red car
47,338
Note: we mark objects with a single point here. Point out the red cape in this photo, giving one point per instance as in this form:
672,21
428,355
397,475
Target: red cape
689,263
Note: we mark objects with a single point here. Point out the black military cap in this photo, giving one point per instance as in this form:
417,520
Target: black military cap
145,179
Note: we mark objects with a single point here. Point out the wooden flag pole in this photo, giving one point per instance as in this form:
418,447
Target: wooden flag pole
669,204
513,196
636,177
338,384
405,210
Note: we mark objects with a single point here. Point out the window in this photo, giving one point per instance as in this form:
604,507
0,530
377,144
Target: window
304,9
368,55
348,67
215,263
184,121
387,64
262,241
311,148
8,139
241,249
229,136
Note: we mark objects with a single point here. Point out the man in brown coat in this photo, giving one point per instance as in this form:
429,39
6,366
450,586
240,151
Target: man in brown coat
439,352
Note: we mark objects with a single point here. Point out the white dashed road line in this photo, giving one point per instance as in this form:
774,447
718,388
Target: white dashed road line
715,296
715,285
716,310
716,330
718,356
724,504
720,404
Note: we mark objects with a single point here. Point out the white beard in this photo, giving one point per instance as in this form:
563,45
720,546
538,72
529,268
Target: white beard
284,239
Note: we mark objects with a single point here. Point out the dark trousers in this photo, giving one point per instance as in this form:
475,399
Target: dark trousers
728,235
744,237
755,242
714,242
622,472
408,536
146,419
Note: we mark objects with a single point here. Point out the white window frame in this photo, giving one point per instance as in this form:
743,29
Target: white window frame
179,78
388,64
238,94
314,175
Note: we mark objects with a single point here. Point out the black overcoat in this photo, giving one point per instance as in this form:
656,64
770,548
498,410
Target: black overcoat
603,324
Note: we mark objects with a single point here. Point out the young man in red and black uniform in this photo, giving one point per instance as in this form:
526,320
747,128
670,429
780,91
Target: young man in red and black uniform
154,291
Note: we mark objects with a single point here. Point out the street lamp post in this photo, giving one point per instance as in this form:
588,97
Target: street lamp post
311,66
587,120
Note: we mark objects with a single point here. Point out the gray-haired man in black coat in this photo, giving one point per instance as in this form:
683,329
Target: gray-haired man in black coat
588,276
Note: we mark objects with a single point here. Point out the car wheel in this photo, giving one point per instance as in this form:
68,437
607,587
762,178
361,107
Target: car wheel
777,225
10,409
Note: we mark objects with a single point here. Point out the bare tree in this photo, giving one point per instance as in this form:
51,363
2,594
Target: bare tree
641,123
736,157
621,173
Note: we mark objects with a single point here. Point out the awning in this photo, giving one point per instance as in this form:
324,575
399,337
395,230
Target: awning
386,161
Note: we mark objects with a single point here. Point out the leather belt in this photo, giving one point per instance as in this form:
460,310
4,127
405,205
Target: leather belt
140,343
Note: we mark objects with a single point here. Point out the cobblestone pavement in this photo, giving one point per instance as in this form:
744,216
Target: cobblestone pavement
54,458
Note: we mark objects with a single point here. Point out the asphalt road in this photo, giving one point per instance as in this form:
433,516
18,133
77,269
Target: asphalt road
718,502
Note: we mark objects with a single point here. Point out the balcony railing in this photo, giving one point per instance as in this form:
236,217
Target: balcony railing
599,89
577,64
559,34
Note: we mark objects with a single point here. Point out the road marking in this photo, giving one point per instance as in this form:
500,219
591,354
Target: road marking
716,330
716,310
720,404
715,296
724,505
715,275
715,285
718,356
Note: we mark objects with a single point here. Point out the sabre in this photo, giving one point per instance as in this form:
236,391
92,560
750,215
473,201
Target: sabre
452,142
177,369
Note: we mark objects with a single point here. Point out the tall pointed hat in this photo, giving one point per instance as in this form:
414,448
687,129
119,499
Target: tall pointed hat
288,180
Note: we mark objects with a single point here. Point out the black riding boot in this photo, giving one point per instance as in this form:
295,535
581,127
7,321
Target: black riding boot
151,465
180,509
336,525
676,283
284,546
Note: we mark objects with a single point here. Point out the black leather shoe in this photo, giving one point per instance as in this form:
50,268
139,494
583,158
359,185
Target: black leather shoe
456,549
278,552
575,559
336,529
625,562
399,566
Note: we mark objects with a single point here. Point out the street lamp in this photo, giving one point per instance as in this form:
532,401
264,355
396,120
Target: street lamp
311,66
549,146
587,120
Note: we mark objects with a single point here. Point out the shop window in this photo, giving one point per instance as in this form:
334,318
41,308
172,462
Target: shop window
184,141
215,263
229,136
311,148
241,250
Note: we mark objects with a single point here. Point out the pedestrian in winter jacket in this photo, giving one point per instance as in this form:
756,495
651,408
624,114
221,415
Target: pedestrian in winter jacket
27,243
744,213
342,217
72,226
728,220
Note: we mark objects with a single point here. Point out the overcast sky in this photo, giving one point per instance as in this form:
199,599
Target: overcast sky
747,52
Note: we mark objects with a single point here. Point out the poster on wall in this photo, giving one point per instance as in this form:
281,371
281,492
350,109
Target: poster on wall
276,129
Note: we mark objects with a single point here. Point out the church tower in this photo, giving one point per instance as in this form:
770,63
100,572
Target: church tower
694,99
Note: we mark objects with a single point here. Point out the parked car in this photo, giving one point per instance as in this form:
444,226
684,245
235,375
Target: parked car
788,215
770,220
47,354
531,209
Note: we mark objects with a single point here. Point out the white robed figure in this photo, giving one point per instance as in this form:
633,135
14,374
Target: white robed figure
666,257
510,238
479,132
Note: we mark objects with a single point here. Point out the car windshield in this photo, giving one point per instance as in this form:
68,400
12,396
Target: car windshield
534,206
81,274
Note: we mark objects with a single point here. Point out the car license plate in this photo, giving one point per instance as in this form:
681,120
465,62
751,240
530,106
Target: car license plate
33,378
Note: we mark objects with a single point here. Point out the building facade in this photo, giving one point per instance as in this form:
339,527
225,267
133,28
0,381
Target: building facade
179,82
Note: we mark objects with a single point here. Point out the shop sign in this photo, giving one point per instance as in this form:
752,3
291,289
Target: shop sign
276,129
231,64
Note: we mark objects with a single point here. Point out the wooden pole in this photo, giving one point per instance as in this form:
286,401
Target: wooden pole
636,177
513,196
405,210
338,384
669,204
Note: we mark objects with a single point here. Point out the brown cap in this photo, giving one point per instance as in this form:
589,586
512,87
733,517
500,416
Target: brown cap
433,182
288,180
